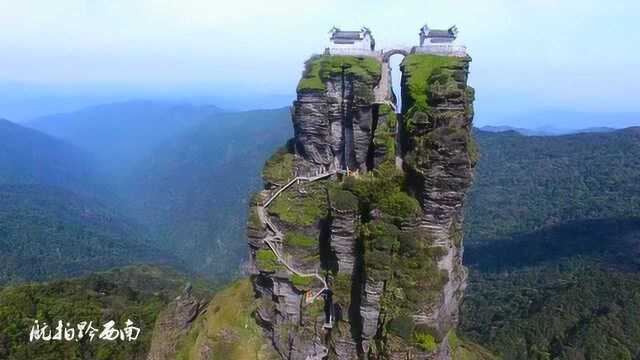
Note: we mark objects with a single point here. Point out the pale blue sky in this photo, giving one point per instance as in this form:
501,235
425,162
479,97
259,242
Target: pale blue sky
528,54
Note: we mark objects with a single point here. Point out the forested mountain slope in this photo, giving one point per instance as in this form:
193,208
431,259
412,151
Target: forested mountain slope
138,293
529,183
48,233
554,225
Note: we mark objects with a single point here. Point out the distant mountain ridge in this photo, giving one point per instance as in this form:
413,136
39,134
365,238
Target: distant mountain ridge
544,131
569,119
182,172
28,156
53,219
120,134
192,190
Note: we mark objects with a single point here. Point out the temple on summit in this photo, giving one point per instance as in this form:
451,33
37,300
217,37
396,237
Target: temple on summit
433,36
351,42
361,43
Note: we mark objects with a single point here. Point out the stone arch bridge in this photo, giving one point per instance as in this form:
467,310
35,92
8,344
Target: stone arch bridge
386,55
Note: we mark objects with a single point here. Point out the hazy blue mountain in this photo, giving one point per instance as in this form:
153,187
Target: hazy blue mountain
23,102
28,156
192,191
564,119
53,222
183,172
120,134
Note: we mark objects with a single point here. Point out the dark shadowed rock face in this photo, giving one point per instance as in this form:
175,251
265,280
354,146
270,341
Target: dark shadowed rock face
343,226
333,129
173,323
386,236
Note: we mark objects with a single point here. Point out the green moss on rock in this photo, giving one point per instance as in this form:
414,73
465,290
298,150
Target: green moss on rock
425,342
400,204
341,288
385,133
299,240
266,260
473,150
228,329
254,219
279,168
301,281
343,200
315,309
418,70
319,69
301,209
401,326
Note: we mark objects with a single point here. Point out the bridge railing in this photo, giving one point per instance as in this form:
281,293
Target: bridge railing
449,50
353,52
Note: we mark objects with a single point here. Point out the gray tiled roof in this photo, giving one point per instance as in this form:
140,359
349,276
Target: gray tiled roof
440,34
347,35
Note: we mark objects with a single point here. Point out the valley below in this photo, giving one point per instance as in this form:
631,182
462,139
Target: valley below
551,233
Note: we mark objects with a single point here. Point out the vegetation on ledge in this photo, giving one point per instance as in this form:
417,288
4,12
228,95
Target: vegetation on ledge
418,70
301,208
266,260
320,68
435,140
425,341
342,200
301,281
383,189
405,260
299,240
385,133
279,168
254,219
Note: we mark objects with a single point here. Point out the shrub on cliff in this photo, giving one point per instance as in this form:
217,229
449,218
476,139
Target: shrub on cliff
299,240
402,326
266,260
425,342
279,168
342,200
372,188
400,204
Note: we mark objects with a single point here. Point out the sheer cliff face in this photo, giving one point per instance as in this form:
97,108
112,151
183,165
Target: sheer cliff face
439,155
361,255
333,122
